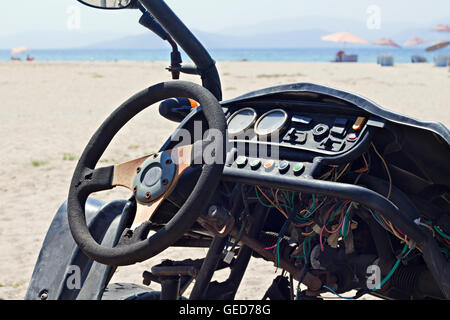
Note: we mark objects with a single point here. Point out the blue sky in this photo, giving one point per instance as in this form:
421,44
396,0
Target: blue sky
212,15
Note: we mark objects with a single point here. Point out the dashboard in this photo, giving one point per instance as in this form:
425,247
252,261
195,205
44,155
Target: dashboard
291,134
326,134
306,137
319,133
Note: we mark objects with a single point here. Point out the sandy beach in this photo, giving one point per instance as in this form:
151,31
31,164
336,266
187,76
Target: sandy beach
48,111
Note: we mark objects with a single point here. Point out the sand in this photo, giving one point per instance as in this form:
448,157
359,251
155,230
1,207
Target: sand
48,111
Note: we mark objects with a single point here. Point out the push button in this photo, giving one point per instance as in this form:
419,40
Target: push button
352,137
283,166
255,164
269,164
241,161
298,168
338,128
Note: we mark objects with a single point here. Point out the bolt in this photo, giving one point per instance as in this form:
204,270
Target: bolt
138,169
165,182
168,162
155,156
148,195
135,189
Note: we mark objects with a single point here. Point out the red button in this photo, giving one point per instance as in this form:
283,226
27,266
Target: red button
352,137
268,164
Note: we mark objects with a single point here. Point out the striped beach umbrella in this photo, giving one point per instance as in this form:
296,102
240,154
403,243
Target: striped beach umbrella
441,27
414,42
344,37
438,45
386,42
19,50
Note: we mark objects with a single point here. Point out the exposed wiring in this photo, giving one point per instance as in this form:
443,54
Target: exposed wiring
347,221
271,247
387,170
326,175
336,294
397,263
343,171
366,166
441,233
298,224
273,205
271,202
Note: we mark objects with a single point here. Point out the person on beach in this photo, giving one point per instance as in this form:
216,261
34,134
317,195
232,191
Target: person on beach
339,55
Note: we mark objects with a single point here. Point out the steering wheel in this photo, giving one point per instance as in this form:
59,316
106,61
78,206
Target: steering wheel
150,178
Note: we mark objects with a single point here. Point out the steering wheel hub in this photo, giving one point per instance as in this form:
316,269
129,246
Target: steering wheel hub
154,177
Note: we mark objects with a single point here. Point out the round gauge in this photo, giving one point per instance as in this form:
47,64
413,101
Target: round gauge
271,122
241,120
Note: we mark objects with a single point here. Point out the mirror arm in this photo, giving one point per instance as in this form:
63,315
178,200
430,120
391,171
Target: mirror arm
149,22
190,44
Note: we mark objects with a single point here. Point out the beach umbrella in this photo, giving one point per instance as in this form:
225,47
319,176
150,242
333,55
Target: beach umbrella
441,27
414,42
438,45
344,37
19,50
387,42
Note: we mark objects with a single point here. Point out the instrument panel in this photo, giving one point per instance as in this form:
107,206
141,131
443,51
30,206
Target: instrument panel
241,120
328,134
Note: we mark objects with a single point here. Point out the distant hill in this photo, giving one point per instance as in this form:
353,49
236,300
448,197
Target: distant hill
287,33
55,40
289,39
282,33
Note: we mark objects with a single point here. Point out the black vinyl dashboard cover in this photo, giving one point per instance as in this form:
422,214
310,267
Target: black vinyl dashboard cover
363,103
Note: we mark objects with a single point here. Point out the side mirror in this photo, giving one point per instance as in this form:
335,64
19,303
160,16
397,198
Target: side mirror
110,4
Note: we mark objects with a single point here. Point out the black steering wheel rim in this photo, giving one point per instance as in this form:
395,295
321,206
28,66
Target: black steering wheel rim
86,179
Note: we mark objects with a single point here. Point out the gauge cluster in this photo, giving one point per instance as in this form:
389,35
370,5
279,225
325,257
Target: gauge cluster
328,134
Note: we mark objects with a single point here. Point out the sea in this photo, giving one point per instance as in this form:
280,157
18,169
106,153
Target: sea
401,55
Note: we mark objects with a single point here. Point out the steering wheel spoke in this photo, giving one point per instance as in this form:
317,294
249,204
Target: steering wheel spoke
152,178
145,212
124,173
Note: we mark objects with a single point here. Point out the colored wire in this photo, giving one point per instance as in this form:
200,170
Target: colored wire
426,226
365,168
324,228
282,211
272,203
278,251
441,233
336,229
387,170
347,223
260,201
326,175
336,294
306,254
311,208
342,172
238,237
402,255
